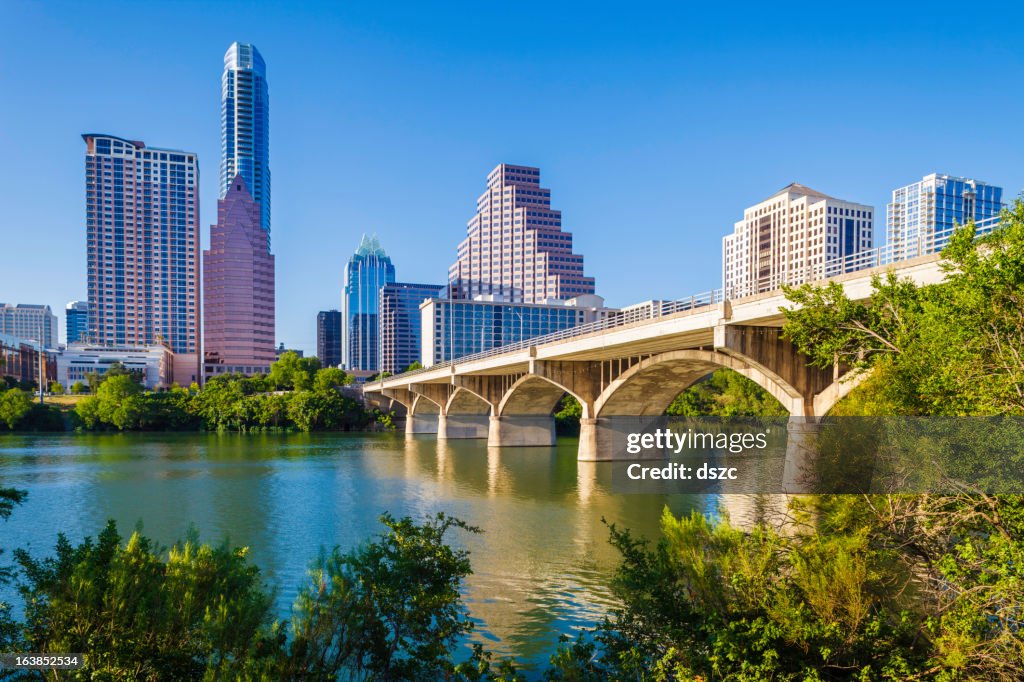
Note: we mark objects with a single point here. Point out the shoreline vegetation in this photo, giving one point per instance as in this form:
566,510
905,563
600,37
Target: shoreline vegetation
296,395
844,587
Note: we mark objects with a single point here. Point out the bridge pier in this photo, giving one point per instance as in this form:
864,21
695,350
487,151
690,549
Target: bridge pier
521,430
458,426
603,439
421,423
800,473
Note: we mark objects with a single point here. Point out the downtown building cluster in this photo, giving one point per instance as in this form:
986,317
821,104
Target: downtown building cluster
516,276
158,302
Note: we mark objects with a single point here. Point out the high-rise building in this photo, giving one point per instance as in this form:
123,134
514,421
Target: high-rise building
453,329
245,125
142,217
796,235
29,321
923,214
328,338
238,288
515,245
76,320
399,328
367,271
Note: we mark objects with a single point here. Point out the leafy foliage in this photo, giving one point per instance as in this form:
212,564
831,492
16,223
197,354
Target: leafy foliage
14,405
725,393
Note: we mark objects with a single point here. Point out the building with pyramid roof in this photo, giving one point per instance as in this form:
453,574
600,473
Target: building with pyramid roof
238,288
366,273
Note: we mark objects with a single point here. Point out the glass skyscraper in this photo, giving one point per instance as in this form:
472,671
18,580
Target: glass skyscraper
366,273
77,321
399,331
924,213
328,338
245,125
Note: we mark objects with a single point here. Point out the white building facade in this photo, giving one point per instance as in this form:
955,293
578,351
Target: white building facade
155,363
796,235
29,321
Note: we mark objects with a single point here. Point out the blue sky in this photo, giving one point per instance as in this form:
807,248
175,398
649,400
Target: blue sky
654,125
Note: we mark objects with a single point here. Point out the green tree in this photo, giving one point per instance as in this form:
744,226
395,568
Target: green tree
292,372
725,393
121,402
78,388
139,612
416,364
14,405
56,388
9,498
390,609
330,378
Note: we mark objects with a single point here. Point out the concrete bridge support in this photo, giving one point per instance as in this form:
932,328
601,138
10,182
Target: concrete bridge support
521,430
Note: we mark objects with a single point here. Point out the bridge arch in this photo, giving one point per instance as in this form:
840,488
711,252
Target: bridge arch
649,387
465,401
534,395
422,405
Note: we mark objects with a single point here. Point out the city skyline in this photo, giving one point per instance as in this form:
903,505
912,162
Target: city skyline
616,151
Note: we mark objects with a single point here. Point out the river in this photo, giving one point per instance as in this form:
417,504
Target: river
541,566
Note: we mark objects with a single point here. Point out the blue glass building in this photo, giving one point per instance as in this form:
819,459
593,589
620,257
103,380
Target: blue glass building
456,328
923,214
245,125
367,271
399,328
77,321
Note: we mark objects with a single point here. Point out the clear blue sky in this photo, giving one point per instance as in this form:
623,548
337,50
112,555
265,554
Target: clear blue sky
654,124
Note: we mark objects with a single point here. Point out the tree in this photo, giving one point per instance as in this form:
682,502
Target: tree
416,364
14,404
390,609
78,388
725,393
121,402
292,372
9,498
56,388
330,378
952,348
140,612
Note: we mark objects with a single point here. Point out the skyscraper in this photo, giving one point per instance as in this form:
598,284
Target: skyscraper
238,288
399,328
367,271
76,318
515,246
924,213
245,125
795,235
30,322
328,338
142,213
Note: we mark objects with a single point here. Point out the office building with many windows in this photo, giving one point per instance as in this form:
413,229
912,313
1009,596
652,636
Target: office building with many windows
29,321
366,272
399,327
515,246
142,218
454,328
328,338
238,289
796,235
245,125
76,321
923,214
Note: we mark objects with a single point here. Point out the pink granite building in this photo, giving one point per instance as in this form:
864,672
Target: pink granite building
238,288
515,245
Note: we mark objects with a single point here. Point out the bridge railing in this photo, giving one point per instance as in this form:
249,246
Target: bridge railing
887,254
862,260
643,312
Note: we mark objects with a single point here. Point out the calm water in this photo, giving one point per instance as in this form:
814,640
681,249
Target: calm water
541,566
